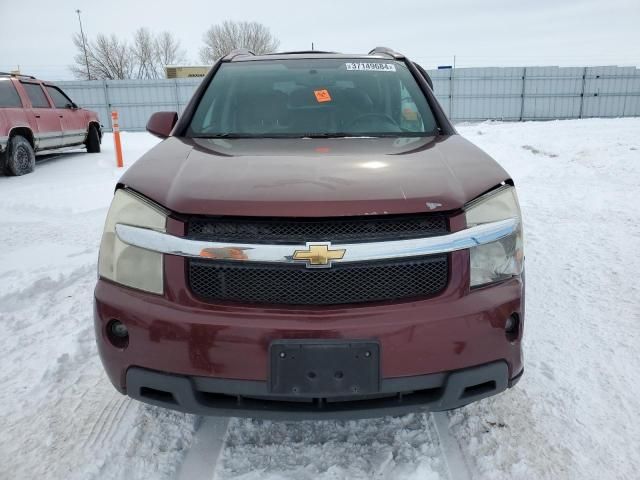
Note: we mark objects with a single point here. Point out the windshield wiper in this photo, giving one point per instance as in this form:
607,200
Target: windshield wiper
320,135
329,135
281,135
228,135
368,135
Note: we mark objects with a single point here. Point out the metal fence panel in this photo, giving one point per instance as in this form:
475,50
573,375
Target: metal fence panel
611,91
552,93
442,88
135,100
487,93
466,94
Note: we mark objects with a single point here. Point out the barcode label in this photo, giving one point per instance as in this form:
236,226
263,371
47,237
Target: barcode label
373,67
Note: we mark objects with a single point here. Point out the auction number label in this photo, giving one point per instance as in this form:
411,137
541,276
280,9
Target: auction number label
372,67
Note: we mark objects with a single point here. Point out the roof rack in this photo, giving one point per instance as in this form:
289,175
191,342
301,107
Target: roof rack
236,53
9,74
387,51
294,52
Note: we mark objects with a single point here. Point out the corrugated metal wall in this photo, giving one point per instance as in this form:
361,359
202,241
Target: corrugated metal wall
466,94
135,100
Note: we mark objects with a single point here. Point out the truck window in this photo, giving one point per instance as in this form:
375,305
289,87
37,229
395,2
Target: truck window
36,95
60,100
9,97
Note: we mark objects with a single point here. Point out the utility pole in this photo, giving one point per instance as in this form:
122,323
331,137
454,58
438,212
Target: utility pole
84,45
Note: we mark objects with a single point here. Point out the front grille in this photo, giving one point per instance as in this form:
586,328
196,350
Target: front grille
292,230
298,285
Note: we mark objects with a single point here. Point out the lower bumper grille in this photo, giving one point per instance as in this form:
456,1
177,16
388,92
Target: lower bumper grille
239,398
298,285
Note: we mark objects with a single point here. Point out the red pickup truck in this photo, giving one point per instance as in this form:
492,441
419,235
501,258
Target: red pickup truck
37,116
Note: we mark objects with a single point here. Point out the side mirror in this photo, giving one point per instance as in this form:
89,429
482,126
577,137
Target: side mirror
160,124
72,106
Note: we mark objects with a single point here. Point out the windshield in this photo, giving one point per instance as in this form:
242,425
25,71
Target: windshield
313,98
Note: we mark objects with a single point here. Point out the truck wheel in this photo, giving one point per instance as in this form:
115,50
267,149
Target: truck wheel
20,158
93,140
3,162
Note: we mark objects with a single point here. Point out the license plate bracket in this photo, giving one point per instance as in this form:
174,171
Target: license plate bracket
324,368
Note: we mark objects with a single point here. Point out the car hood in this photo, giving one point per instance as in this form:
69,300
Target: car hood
313,177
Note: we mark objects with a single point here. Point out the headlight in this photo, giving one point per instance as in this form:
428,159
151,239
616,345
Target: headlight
503,258
125,264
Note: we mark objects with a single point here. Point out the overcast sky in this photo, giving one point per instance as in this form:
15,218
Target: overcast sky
36,34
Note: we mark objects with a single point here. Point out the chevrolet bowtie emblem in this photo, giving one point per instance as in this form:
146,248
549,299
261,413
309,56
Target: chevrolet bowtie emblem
319,255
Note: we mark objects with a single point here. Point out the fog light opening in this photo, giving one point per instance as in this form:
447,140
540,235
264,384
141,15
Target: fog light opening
512,327
118,334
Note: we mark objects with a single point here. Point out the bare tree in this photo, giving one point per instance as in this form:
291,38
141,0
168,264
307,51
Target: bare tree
113,56
153,52
144,54
168,50
221,39
108,58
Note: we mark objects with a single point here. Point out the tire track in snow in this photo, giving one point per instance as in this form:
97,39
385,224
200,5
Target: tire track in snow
122,417
115,420
452,454
104,423
201,460
204,459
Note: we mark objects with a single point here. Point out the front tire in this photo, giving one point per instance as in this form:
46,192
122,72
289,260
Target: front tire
20,158
3,161
93,140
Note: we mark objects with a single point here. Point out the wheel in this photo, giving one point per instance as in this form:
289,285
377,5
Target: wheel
20,158
93,140
3,162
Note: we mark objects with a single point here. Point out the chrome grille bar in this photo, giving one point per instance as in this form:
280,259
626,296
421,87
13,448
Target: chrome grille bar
354,252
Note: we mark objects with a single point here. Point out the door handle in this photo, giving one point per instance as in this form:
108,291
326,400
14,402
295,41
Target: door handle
61,116
37,116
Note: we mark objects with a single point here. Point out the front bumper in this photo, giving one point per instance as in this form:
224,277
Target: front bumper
204,344
397,396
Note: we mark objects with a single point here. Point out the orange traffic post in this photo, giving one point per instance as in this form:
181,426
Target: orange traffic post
116,138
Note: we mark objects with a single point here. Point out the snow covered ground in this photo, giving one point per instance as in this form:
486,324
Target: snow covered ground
574,415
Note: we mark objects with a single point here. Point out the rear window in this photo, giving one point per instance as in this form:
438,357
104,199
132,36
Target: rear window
313,97
9,97
36,95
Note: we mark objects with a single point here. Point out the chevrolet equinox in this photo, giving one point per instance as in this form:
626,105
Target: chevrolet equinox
311,239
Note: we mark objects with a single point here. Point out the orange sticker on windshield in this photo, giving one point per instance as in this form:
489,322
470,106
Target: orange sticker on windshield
322,96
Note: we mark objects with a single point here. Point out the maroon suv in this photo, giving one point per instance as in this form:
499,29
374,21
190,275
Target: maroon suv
311,239
36,117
